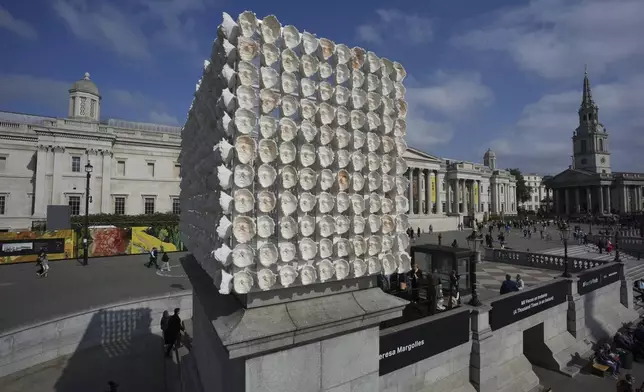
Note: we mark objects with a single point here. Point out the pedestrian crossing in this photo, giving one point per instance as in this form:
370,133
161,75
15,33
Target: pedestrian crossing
583,252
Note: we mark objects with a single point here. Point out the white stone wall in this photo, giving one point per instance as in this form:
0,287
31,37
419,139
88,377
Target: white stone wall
16,182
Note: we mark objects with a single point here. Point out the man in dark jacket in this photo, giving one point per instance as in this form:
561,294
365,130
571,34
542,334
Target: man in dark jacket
509,285
173,332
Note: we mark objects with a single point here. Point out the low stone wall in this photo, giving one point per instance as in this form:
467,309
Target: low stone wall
439,223
540,260
31,345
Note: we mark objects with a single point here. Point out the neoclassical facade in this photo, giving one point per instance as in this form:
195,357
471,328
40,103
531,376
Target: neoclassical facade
539,195
42,162
589,186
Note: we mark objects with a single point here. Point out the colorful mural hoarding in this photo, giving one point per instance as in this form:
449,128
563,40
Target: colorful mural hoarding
161,237
432,180
475,189
24,246
109,241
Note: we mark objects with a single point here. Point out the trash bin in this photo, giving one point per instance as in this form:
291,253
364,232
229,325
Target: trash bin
626,359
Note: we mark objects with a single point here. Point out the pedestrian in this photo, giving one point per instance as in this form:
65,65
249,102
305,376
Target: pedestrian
440,239
520,283
508,285
43,263
173,332
418,236
164,325
153,258
431,229
165,262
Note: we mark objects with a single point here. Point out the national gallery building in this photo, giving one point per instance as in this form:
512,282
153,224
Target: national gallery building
589,186
135,170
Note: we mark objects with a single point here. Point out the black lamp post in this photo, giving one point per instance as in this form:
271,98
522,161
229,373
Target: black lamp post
591,225
473,242
565,236
88,170
617,238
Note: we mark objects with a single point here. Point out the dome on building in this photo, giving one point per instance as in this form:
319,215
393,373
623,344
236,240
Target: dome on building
490,153
84,85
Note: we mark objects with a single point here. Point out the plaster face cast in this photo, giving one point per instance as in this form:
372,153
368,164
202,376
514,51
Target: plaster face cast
242,282
389,264
290,62
374,181
246,97
373,62
399,90
387,243
289,106
373,141
287,251
357,181
374,245
288,228
308,275
270,54
341,269
266,175
308,249
224,175
326,135
342,201
388,106
358,97
248,75
401,107
326,248
401,185
242,255
326,226
359,245
288,129
358,58
358,139
268,254
291,36
373,121
266,279
343,180
307,155
342,137
404,263
326,70
401,146
266,201
388,224
308,87
289,83
269,100
288,203
326,156
357,81
245,121
307,225
374,161
343,53
244,175
267,150
374,265
387,124
358,119
267,126
326,179
271,29
374,203
388,182
402,223
386,66
308,179
387,144
325,269
310,65
265,226
288,274
328,48
341,96
289,177
373,82
326,203
308,130
386,86
402,241
247,23
344,158
244,201
326,91
342,224
401,166
358,159
287,152
386,205
327,113
358,225
402,204
243,229
359,268
400,127
248,49
375,222
307,202
342,74
309,109
357,204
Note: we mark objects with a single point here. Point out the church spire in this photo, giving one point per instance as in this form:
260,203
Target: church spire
587,98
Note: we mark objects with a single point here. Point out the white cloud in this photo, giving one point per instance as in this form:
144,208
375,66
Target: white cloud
163,118
20,27
397,26
553,38
131,30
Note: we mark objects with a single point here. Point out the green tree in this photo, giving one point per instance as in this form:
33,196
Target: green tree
523,190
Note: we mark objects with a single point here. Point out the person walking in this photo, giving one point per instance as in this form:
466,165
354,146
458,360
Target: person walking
165,262
165,318
520,283
43,262
173,331
154,254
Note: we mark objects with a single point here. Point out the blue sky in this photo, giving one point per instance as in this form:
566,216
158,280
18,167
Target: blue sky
495,73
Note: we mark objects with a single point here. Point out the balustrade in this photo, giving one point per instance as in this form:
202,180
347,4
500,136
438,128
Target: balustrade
544,261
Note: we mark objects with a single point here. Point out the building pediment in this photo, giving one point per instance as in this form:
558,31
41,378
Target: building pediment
417,155
570,177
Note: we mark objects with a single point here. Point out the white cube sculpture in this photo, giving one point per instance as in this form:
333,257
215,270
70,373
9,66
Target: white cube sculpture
292,160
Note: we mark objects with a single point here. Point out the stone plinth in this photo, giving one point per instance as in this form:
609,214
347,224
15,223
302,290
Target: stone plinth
320,344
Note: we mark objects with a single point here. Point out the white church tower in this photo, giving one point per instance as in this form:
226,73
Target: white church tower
84,100
590,139
489,159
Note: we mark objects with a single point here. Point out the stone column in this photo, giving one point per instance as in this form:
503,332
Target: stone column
601,199
566,202
439,201
638,190
419,187
57,177
608,199
428,191
106,184
463,199
40,192
589,200
410,177
556,194
456,194
577,202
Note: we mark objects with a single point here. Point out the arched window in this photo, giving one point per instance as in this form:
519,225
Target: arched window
601,144
583,146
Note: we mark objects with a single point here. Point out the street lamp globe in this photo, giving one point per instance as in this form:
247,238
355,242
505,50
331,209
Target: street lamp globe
89,167
565,236
565,232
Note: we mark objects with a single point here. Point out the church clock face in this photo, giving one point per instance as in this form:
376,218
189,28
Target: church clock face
603,160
